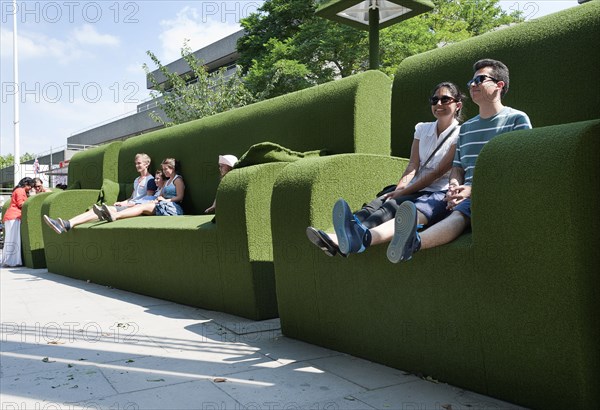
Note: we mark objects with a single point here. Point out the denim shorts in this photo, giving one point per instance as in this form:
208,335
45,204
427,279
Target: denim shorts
464,208
433,206
165,208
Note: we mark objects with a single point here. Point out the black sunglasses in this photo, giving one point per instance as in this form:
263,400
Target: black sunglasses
481,78
445,99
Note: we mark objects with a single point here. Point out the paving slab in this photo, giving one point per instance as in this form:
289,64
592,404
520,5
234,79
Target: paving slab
70,344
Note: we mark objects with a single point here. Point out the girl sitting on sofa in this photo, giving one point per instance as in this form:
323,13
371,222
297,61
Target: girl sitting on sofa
167,204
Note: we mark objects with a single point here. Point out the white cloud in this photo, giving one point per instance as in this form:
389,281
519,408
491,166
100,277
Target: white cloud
88,35
189,24
135,68
39,46
33,45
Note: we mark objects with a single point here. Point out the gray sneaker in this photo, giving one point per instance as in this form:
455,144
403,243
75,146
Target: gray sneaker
65,224
406,240
99,211
108,213
54,224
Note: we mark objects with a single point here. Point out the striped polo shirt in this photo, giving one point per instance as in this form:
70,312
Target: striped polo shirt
477,131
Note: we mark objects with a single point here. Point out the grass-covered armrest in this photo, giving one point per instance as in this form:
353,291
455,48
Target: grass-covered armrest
535,235
304,195
31,231
244,239
65,204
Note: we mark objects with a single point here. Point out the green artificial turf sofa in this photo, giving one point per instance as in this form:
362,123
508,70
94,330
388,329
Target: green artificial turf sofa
227,266
86,171
510,309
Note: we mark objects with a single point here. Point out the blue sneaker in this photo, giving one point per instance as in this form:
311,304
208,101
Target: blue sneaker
350,232
406,240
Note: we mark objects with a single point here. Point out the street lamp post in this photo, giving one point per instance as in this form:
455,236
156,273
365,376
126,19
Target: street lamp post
17,142
372,15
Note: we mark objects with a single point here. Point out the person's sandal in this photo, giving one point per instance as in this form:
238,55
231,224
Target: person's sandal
323,242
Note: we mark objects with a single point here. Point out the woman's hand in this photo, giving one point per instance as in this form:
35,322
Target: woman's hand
394,194
456,194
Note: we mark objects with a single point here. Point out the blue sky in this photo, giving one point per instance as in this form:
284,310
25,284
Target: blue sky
80,62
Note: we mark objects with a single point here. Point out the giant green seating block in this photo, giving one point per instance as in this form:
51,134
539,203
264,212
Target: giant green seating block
31,232
87,170
509,310
226,266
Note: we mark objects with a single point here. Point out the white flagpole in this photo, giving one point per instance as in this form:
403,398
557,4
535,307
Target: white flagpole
17,162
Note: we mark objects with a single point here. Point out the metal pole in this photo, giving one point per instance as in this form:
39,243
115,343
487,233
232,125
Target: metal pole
17,154
374,38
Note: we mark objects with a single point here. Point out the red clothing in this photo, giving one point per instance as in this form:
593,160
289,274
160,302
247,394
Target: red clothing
19,196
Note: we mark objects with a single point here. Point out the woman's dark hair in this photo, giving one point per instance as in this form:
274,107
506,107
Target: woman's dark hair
25,182
454,93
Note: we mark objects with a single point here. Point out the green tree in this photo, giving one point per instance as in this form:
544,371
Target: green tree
312,50
195,94
9,159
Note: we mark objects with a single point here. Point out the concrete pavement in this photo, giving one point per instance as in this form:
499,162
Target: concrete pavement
69,344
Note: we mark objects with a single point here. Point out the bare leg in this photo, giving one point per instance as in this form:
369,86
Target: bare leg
87,216
384,232
445,231
143,209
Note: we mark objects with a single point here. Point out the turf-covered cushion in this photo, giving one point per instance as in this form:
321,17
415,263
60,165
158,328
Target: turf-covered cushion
89,168
74,185
266,152
112,191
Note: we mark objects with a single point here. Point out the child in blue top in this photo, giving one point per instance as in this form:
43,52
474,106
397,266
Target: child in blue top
167,203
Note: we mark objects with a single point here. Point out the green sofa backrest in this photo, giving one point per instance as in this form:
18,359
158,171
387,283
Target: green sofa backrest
350,115
543,81
5,206
87,169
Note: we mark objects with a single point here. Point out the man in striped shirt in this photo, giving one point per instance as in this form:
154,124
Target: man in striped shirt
488,86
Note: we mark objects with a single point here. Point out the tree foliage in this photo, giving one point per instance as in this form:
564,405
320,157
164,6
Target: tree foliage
9,159
196,94
286,47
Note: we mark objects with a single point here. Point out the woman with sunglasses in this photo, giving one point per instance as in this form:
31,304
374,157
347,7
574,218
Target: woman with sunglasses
39,186
424,181
11,255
